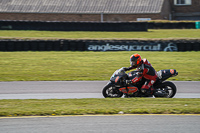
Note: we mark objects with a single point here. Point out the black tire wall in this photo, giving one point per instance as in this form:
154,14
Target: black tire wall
99,45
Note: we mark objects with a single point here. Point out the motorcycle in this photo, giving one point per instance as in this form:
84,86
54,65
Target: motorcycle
117,86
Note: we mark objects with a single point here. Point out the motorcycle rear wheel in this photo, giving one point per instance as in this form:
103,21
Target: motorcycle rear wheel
168,87
109,91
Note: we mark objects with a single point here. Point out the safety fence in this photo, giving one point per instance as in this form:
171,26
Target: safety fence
99,45
94,26
73,26
171,25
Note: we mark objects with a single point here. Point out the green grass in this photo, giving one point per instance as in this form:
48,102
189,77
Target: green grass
98,106
151,34
36,66
49,66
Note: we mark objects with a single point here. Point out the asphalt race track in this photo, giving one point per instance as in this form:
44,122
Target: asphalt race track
103,124
95,123
76,89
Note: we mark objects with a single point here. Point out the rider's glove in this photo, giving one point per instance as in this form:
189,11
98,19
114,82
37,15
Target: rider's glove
128,82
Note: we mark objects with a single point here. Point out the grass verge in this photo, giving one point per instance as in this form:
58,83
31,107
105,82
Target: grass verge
51,66
151,34
98,106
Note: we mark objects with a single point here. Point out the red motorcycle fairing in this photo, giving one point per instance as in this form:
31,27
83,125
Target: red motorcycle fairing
117,78
131,89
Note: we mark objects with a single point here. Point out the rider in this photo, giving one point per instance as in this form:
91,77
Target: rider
145,70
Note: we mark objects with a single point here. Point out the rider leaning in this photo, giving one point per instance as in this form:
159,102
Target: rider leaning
145,70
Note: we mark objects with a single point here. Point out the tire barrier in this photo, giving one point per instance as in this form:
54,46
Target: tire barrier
73,26
99,45
94,26
171,25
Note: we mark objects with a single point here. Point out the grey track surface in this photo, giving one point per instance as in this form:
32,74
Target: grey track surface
103,124
76,89
92,124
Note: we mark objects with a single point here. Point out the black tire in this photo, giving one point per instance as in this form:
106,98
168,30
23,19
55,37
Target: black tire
170,87
108,91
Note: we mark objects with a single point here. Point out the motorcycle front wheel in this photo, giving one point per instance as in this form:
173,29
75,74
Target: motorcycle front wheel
110,91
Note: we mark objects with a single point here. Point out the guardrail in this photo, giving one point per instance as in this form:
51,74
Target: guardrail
99,45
